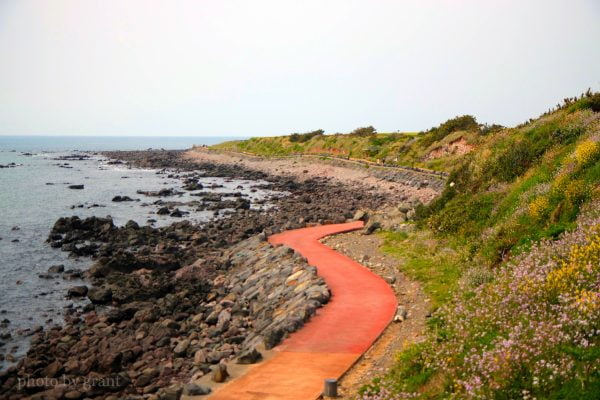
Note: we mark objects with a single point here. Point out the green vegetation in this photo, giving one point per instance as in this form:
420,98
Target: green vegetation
416,149
434,262
462,123
365,131
305,137
509,254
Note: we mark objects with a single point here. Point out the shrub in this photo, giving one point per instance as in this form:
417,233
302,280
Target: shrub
591,101
462,214
512,162
305,137
587,152
594,102
566,135
487,129
364,131
539,208
373,150
462,123
477,276
576,192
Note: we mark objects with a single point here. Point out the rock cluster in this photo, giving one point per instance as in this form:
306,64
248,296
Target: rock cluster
279,290
169,303
10,165
140,347
397,218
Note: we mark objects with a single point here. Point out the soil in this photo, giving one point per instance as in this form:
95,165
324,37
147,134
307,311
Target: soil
457,147
303,169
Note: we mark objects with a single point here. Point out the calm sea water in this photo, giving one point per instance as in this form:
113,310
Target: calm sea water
35,193
96,143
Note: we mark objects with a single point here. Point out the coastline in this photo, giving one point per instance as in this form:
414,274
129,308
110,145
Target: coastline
139,269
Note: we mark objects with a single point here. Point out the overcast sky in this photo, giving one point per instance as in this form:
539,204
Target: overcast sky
266,67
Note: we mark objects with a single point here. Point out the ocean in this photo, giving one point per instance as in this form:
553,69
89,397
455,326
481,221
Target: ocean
105,143
35,193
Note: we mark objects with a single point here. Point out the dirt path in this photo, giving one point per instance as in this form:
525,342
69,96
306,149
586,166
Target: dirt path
380,357
304,169
361,306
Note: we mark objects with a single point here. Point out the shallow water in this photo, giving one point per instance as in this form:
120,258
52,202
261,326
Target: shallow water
104,143
34,194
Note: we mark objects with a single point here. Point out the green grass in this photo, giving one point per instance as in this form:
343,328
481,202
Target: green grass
486,218
432,261
517,186
406,149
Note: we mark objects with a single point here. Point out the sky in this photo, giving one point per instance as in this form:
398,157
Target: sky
268,67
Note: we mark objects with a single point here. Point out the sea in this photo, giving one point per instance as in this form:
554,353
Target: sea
34,193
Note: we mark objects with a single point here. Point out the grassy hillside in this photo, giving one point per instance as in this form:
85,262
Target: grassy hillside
435,149
510,254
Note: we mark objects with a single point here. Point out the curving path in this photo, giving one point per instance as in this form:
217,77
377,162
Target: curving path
361,306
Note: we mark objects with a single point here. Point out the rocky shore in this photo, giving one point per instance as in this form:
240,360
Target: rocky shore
171,303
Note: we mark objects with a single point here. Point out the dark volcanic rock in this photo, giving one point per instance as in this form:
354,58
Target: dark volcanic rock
191,389
250,356
56,269
77,291
184,297
119,199
100,295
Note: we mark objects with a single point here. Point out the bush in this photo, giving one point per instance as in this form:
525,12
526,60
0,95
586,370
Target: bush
487,129
364,131
576,192
594,102
462,214
462,123
372,151
591,101
587,152
566,135
512,162
539,208
305,137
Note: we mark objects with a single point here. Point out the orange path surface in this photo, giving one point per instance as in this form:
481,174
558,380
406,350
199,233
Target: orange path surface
361,306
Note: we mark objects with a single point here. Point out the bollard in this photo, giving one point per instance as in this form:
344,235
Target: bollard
330,389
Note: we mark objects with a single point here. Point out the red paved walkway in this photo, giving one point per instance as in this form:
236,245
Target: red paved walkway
361,306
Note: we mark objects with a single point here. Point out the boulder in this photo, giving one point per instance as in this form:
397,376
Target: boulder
250,356
200,357
220,373
73,395
56,269
401,314
77,291
360,215
191,389
371,227
100,295
119,199
52,370
163,211
170,393
404,207
177,213
181,347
